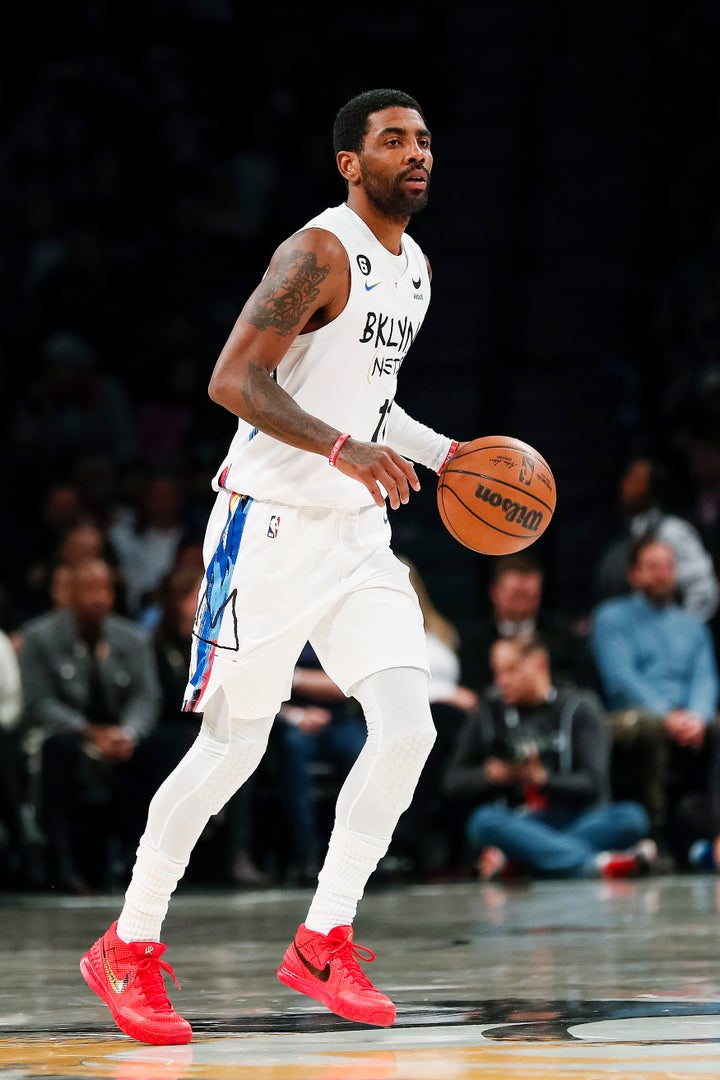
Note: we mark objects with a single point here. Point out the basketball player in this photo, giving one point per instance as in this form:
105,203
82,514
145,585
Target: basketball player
298,548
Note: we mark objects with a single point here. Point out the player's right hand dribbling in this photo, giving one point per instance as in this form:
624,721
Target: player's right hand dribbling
378,467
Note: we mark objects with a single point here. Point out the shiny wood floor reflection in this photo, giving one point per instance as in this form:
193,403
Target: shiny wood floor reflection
574,979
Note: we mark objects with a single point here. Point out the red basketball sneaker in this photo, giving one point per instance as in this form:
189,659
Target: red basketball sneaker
129,980
325,966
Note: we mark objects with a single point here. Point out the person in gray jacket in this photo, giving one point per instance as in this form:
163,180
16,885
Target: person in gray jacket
91,695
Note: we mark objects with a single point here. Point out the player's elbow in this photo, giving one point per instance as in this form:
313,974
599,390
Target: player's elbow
218,389
213,388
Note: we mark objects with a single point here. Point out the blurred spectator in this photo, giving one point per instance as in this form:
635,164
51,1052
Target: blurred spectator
517,608
660,679
13,849
176,731
99,480
643,494
81,543
531,769
146,540
321,733
61,586
91,695
443,642
61,510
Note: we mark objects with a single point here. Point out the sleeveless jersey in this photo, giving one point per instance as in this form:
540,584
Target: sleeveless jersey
345,373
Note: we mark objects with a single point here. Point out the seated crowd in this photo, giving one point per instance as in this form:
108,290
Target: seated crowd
573,754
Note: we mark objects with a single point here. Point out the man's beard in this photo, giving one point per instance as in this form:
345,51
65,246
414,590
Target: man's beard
393,200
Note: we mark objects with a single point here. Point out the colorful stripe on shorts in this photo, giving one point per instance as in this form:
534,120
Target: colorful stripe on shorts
216,616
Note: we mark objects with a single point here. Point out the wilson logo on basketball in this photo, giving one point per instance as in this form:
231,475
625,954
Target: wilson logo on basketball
513,511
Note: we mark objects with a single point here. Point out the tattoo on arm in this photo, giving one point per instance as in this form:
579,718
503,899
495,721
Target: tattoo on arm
269,408
287,294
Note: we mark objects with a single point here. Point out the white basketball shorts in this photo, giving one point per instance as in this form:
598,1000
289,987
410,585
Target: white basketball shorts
278,576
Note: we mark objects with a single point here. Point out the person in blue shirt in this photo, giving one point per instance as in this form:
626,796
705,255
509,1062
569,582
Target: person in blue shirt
659,677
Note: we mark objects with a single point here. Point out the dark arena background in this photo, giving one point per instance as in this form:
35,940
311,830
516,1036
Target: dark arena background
153,155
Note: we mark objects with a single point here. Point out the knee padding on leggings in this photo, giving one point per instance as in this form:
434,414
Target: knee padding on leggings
225,754
401,734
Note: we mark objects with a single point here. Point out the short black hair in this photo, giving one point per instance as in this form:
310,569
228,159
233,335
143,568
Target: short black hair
351,122
514,564
639,543
526,644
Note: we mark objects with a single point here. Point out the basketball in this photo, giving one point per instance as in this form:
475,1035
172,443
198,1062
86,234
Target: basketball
496,495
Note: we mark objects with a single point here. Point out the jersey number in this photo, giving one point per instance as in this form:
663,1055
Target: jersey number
379,433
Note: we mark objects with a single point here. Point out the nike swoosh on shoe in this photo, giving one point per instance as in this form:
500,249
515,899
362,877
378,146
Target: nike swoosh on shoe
323,974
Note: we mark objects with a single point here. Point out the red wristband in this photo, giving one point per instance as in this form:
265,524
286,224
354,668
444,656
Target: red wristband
453,448
339,443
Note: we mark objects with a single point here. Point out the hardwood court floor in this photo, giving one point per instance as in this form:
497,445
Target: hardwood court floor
580,980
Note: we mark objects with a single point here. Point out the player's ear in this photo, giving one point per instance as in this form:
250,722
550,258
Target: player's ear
347,163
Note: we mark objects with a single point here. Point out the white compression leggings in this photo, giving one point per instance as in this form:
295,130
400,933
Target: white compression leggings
378,788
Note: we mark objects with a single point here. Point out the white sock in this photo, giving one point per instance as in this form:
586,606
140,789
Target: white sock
146,901
350,861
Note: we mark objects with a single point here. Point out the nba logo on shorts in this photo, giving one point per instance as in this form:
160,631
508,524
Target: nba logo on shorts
273,526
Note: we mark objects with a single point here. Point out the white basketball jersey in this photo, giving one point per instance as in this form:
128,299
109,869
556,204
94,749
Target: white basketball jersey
345,373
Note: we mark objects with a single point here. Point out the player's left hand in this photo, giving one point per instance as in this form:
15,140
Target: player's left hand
376,466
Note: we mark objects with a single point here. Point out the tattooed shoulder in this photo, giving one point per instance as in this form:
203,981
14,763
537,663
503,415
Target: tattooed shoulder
287,293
